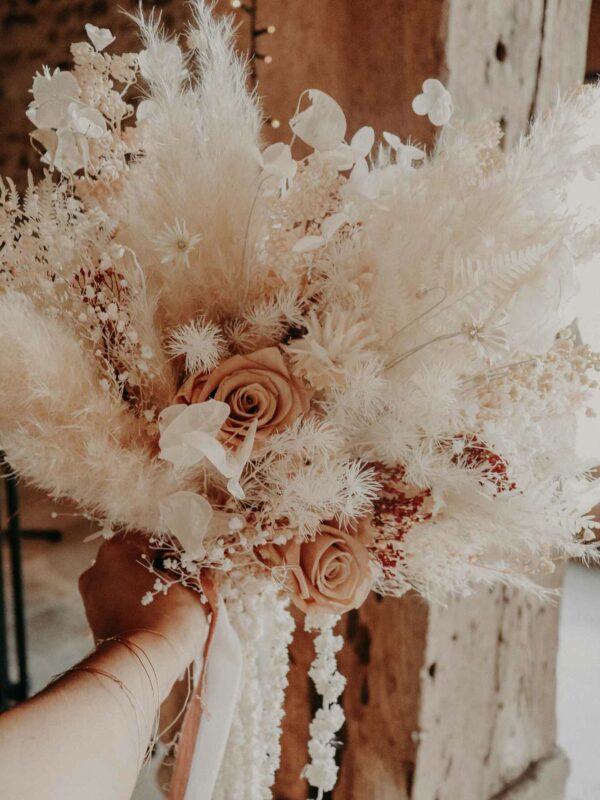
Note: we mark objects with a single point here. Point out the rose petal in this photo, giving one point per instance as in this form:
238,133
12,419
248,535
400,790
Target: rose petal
282,397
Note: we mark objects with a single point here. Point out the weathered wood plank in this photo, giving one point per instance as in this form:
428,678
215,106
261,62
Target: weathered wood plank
544,780
510,58
487,693
382,659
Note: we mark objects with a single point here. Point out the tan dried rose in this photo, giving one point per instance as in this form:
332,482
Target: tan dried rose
329,574
256,387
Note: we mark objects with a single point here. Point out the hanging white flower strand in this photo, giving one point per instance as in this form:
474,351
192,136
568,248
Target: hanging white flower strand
322,770
261,616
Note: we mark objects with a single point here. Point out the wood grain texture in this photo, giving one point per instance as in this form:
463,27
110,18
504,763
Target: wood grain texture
511,58
487,694
544,780
383,659
564,51
372,57
593,49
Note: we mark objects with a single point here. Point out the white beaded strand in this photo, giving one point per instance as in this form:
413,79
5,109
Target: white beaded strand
322,770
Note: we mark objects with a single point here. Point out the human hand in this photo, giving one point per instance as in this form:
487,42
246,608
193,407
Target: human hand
112,590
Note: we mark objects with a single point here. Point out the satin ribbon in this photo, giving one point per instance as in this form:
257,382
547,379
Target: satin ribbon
210,711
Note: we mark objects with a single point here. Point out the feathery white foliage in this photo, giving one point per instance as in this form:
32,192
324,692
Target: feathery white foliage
407,333
266,321
199,144
424,310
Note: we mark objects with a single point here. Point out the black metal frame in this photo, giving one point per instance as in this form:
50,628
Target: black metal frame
14,691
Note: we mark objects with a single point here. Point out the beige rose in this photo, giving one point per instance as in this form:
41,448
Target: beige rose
329,574
255,387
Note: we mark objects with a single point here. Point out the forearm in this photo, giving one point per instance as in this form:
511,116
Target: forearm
86,735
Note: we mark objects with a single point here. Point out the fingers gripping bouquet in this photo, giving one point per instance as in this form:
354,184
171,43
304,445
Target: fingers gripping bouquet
310,377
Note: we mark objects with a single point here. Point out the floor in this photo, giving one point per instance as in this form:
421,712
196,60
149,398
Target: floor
58,637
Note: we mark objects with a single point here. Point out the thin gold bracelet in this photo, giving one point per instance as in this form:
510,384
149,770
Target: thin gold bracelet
138,712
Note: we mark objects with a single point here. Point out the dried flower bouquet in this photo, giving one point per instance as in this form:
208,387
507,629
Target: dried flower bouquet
313,377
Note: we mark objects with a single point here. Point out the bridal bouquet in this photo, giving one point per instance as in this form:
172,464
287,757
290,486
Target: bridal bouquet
312,370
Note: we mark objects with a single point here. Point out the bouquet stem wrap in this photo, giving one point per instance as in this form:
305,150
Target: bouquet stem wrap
208,718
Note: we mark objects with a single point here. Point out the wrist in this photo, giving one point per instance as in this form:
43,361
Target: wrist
163,660
182,632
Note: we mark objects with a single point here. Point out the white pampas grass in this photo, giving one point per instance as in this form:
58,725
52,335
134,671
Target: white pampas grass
200,162
63,431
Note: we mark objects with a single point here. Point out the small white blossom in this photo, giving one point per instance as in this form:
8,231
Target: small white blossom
99,37
323,124
488,337
187,516
277,161
87,121
435,102
176,244
406,154
189,435
52,97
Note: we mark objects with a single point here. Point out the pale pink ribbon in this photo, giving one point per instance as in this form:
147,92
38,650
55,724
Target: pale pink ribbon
208,719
